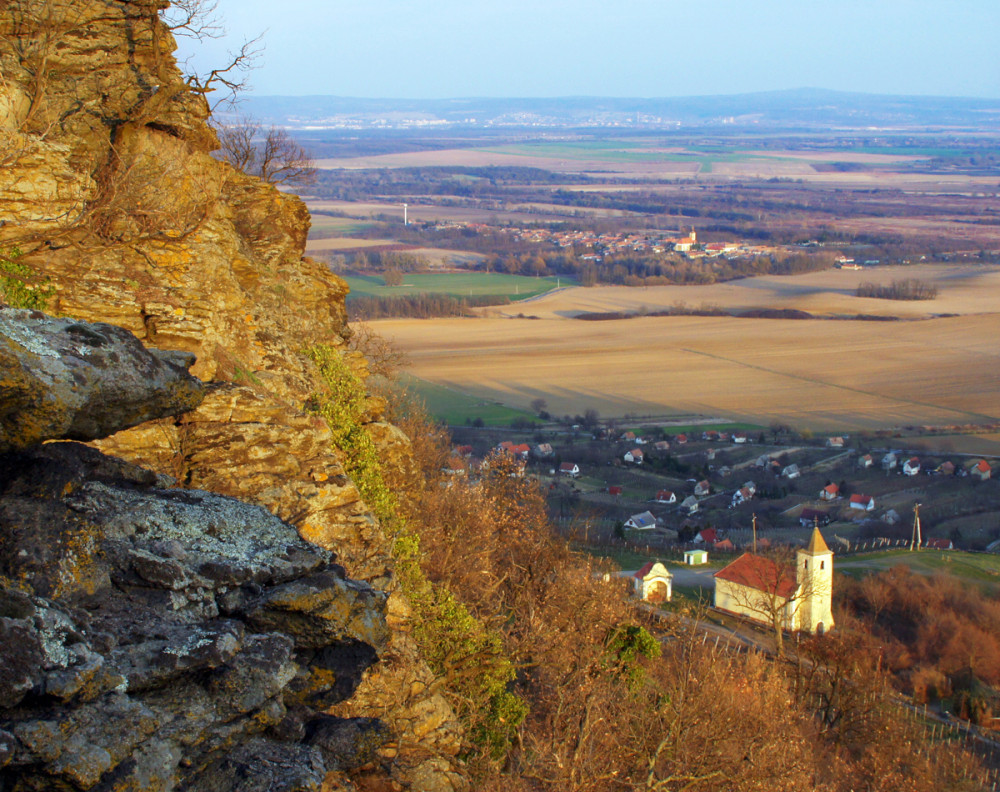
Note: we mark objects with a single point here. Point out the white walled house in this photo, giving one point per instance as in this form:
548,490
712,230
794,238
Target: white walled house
635,456
641,522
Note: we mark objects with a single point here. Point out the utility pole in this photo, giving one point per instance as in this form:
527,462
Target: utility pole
915,536
754,524
405,220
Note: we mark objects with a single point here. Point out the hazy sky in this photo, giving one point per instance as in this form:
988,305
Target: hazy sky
632,48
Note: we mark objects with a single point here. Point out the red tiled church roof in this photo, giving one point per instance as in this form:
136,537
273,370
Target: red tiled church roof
760,573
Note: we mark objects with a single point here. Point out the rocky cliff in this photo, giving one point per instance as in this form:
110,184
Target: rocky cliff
154,638
109,190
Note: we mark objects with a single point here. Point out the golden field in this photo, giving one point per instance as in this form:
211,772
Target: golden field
962,289
824,374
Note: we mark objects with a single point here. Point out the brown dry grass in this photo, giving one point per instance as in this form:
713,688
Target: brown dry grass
822,374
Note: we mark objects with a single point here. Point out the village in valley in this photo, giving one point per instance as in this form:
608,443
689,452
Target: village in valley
736,498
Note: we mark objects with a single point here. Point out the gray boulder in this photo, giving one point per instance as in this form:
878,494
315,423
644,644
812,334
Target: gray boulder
60,378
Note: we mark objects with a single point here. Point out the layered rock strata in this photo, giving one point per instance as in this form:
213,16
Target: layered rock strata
156,638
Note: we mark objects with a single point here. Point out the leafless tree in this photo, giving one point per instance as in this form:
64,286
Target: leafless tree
199,20
383,358
273,156
772,593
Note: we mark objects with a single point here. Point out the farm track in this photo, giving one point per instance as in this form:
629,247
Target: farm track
974,417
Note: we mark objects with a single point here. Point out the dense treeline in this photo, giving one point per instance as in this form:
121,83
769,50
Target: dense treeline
626,269
906,289
417,306
939,635
607,707
354,185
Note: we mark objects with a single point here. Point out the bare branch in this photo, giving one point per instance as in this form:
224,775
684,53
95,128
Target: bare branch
195,19
232,78
272,156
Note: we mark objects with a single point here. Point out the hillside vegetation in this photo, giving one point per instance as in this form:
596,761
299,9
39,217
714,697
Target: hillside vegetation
610,708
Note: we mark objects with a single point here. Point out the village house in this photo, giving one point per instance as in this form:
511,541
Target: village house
889,462
520,450
661,445
724,546
653,583
810,518
798,598
791,471
666,496
939,544
702,488
544,451
740,437
634,456
981,470
946,468
862,502
865,461
641,522
615,489
681,439
628,437
742,495
829,492
570,469
911,466
695,557
690,504
707,536
835,442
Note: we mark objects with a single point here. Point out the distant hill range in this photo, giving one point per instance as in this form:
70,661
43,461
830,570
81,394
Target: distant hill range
803,108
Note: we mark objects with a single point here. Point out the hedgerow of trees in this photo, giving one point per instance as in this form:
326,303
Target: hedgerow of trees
906,289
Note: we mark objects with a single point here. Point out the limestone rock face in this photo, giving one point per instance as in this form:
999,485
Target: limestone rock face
83,381
109,188
158,639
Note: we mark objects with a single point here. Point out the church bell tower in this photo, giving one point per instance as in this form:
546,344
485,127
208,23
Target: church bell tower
814,574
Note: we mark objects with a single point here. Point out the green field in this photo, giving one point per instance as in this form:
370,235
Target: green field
457,284
326,226
973,567
456,408
614,151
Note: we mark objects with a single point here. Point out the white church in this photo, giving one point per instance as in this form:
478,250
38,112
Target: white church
757,588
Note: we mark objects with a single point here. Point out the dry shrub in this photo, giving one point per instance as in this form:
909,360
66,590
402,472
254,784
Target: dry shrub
928,685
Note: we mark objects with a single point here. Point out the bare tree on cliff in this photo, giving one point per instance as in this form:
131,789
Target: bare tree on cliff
199,20
272,156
